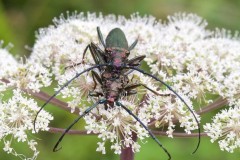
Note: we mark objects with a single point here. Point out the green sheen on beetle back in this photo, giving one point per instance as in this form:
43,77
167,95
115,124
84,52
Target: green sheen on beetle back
116,38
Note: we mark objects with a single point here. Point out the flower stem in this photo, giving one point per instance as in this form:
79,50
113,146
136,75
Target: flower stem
72,132
127,153
44,97
160,133
220,102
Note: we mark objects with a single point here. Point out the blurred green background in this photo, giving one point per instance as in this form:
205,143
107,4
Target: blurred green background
19,19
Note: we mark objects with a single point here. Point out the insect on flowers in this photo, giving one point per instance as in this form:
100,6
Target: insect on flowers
114,67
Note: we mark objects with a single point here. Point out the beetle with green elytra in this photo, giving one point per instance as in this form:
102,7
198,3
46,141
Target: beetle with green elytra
114,67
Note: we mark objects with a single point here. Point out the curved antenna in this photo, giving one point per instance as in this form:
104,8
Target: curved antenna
146,128
75,121
65,85
100,37
170,88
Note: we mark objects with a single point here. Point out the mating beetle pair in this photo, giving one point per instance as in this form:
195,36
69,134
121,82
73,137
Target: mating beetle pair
114,67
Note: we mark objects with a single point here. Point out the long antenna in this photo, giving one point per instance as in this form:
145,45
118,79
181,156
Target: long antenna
65,85
146,128
55,149
170,88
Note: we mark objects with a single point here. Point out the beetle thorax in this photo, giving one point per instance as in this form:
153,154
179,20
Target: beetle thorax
117,56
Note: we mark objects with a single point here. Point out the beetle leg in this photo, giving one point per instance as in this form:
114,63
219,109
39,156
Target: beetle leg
133,86
130,71
94,81
96,77
84,53
100,57
71,66
135,61
100,37
133,45
97,55
95,94
95,74
131,92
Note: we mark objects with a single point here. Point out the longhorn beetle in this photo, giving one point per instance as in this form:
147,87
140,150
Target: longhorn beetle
114,66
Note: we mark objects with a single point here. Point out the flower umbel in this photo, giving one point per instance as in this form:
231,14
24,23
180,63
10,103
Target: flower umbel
201,65
16,121
225,130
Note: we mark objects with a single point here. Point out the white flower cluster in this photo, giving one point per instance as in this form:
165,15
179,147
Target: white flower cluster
8,62
114,125
198,63
181,51
226,129
29,76
17,112
61,47
16,121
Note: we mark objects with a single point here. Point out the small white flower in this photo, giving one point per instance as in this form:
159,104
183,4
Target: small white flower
7,147
16,121
101,147
225,130
117,148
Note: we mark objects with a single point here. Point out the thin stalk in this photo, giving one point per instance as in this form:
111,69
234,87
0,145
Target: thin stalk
220,102
44,97
217,104
179,134
71,132
127,153
63,105
159,133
